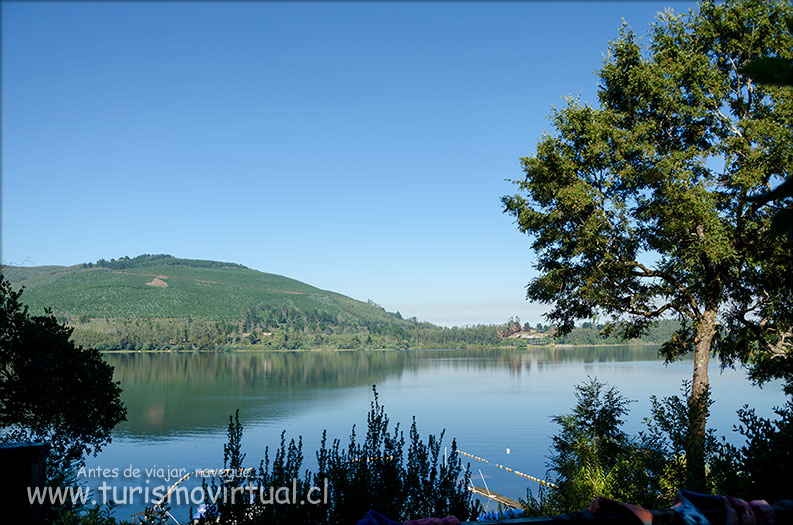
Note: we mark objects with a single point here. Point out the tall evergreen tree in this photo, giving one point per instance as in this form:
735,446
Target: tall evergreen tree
640,206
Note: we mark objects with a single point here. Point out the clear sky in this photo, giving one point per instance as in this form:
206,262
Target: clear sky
360,147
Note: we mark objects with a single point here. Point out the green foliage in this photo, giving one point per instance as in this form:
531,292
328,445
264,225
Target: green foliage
770,70
754,470
201,289
640,206
222,306
635,178
775,71
593,334
369,474
592,456
750,471
54,391
147,260
668,433
209,305
50,389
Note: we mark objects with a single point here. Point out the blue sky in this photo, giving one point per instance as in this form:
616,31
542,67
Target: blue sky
361,147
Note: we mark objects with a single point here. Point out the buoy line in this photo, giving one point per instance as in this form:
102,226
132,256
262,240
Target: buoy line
508,469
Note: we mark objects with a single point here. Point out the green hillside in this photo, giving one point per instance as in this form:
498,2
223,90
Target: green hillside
162,286
160,302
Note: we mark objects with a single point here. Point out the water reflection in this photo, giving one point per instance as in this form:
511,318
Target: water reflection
168,394
489,400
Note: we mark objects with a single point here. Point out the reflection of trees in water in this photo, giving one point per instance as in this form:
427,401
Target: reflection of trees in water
238,372
599,354
519,360
168,393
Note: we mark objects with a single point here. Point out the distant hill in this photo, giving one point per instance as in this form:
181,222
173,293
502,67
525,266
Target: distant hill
161,302
163,286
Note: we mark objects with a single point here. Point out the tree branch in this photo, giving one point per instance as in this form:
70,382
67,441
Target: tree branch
646,272
778,349
724,117
760,329
648,313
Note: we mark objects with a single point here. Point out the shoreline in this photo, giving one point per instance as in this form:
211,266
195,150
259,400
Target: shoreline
281,350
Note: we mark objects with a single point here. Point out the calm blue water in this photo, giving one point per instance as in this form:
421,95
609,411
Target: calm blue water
179,404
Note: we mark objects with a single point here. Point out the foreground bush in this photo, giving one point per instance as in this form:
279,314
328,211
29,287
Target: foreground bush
592,456
374,473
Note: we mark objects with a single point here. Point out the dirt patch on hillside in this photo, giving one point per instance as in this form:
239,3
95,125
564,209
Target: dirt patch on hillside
165,277
159,283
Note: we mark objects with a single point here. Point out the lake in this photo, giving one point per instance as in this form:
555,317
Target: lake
489,400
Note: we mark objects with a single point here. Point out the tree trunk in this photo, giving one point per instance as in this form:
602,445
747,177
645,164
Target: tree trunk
697,402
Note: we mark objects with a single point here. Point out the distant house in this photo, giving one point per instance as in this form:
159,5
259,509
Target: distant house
531,334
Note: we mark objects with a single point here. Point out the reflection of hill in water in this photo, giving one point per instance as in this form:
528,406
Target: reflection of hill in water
171,393
168,393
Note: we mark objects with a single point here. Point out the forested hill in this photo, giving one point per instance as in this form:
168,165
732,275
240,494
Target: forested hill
158,302
162,286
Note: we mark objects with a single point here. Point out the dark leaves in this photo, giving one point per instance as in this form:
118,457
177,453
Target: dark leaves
771,71
50,389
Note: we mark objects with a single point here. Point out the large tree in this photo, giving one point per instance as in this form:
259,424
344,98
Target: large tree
640,206
50,389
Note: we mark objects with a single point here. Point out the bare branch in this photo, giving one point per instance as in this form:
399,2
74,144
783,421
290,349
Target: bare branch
778,349
754,327
737,76
735,130
761,328
724,117
760,302
633,310
646,272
